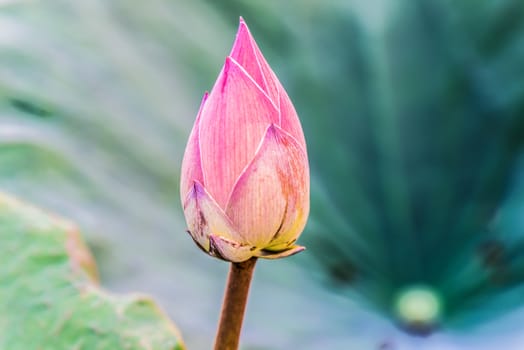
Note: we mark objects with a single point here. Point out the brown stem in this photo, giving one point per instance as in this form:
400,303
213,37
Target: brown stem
235,299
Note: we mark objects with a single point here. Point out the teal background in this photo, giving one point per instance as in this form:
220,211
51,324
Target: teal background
414,117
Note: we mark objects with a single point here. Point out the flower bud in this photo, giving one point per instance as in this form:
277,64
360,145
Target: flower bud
245,175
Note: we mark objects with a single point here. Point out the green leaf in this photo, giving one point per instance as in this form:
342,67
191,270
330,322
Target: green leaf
418,158
49,296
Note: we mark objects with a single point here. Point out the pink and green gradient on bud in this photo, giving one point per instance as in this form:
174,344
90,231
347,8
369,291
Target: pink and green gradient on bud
245,174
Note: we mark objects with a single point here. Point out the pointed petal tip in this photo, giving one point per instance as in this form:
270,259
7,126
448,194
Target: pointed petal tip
243,28
272,128
202,102
227,64
196,191
230,70
192,193
198,188
224,75
242,25
243,39
274,131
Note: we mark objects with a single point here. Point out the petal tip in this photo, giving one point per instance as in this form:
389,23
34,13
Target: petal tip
274,132
242,40
195,192
197,188
227,67
202,103
204,98
242,28
225,74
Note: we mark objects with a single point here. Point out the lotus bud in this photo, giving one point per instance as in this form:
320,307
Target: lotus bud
245,175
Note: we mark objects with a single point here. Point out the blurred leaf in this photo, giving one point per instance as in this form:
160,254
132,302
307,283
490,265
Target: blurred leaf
419,153
49,298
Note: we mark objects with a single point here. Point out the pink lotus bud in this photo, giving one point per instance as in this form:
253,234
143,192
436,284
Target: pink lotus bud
245,174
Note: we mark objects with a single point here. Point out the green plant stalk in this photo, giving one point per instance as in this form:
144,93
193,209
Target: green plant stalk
234,305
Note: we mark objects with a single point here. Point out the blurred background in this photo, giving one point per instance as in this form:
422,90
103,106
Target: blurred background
414,117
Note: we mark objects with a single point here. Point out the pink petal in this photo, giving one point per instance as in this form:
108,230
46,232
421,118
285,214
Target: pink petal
205,218
229,250
270,201
289,119
233,121
191,165
292,250
246,52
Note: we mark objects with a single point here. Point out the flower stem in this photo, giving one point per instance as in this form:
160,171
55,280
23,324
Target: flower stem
235,299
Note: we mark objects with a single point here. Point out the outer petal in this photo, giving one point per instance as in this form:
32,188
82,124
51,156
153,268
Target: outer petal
292,250
229,250
205,218
246,52
191,165
270,202
233,120
289,119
